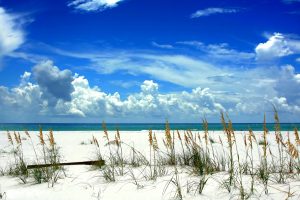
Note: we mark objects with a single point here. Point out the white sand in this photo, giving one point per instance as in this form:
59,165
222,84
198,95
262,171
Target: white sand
82,182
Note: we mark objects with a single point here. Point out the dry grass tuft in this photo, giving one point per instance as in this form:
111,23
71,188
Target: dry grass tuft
10,138
297,136
41,136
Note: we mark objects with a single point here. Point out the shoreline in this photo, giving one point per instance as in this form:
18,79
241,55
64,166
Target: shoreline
142,126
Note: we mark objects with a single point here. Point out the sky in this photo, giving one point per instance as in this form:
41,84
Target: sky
149,60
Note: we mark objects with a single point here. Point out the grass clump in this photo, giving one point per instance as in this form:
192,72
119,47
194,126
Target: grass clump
51,155
19,167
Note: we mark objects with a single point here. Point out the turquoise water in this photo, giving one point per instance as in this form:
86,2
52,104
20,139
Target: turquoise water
137,126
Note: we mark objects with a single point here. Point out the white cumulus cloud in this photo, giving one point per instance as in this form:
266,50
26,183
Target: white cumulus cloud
278,45
55,83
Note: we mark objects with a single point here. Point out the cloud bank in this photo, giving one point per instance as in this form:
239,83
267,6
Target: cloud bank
34,101
65,95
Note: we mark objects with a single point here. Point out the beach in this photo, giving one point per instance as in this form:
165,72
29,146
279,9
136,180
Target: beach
149,100
86,182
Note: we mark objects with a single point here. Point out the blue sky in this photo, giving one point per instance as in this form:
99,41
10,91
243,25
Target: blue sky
148,60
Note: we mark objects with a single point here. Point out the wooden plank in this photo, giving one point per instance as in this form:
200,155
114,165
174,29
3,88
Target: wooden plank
96,162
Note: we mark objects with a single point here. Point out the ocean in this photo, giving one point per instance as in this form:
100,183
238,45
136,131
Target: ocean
138,126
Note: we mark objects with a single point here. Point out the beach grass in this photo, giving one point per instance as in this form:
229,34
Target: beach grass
200,154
